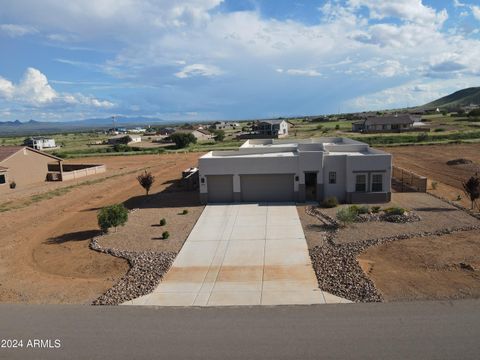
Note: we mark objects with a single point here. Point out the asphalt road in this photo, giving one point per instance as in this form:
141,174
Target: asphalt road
415,330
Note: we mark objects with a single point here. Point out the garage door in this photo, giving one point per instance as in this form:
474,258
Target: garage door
220,188
274,187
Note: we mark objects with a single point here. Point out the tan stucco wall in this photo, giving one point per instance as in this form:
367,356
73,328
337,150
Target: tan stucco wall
26,167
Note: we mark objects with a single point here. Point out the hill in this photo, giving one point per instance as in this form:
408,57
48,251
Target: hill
457,99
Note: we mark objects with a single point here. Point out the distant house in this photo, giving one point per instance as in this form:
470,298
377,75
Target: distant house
271,128
166,131
40,143
24,166
137,130
125,139
223,125
389,123
200,134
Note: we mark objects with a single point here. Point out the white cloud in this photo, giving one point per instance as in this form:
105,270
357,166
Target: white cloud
15,30
476,12
34,90
198,70
300,72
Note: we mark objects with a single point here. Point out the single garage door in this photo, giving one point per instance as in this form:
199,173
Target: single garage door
220,188
267,187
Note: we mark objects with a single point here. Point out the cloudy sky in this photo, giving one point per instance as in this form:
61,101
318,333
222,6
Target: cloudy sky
212,59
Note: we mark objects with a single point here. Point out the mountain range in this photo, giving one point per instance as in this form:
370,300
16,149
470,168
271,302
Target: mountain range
456,100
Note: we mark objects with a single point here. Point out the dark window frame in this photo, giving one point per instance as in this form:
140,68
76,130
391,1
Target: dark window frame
332,179
377,186
361,187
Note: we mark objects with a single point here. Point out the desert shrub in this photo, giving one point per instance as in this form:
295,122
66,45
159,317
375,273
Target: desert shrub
330,202
459,198
363,209
471,187
163,222
395,211
439,130
146,180
112,216
434,185
319,127
182,140
219,135
184,212
13,185
422,137
165,235
353,209
337,127
375,209
346,216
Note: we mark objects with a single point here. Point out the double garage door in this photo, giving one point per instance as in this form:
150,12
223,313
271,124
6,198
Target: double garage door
254,188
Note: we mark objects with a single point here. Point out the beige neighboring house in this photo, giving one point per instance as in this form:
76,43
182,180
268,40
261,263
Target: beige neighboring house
200,134
125,139
24,166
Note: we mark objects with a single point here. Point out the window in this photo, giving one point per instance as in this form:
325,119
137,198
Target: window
361,183
2,179
377,182
332,177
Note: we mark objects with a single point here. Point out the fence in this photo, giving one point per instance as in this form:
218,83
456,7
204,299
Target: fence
404,180
73,171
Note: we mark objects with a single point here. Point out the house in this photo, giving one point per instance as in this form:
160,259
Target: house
223,125
124,139
271,128
270,170
40,143
137,130
200,134
389,123
23,166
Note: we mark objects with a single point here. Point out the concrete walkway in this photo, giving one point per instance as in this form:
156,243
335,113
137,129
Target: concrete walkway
242,254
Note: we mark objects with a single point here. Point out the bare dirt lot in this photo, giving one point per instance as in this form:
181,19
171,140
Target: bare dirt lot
44,254
431,161
425,268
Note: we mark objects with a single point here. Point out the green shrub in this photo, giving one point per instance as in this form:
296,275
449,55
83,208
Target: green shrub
182,140
353,209
330,202
112,216
346,216
337,127
184,212
395,211
375,209
439,130
434,185
163,222
165,235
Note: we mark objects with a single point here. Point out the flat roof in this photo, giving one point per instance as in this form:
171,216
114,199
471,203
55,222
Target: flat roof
254,155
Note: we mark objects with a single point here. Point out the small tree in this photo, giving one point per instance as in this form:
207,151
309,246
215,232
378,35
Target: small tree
219,135
112,216
182,140
146,180
471,187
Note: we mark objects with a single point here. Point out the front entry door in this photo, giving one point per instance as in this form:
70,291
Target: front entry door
311,186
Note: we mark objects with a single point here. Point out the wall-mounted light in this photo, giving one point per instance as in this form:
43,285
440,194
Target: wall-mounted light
202,180
297,178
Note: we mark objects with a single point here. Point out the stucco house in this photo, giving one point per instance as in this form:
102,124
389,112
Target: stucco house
389,123
24,166
270,170
40,143
223,125
125,139
200,134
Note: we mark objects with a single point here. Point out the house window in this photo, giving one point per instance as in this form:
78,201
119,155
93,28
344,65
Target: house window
377,183
332,177
2,179
361,183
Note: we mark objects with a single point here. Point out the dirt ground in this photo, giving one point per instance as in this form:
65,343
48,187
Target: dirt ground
425,268
435,215
142,231
44,254
431,161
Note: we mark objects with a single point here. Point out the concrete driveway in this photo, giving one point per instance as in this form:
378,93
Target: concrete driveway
242,254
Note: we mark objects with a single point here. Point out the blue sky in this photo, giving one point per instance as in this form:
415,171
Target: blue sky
233,59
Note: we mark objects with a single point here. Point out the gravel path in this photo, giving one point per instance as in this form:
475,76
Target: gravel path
146,270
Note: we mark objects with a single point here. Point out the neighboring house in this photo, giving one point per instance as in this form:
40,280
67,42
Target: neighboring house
271,128
166,131
223,125
24,166
40,143
305,170
125,139
389,123
137,130
200,134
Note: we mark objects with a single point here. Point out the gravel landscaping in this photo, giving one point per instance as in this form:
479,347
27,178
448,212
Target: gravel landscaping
146,271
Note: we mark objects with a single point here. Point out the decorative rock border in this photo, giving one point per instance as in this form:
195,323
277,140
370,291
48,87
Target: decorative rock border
338,270
146,270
